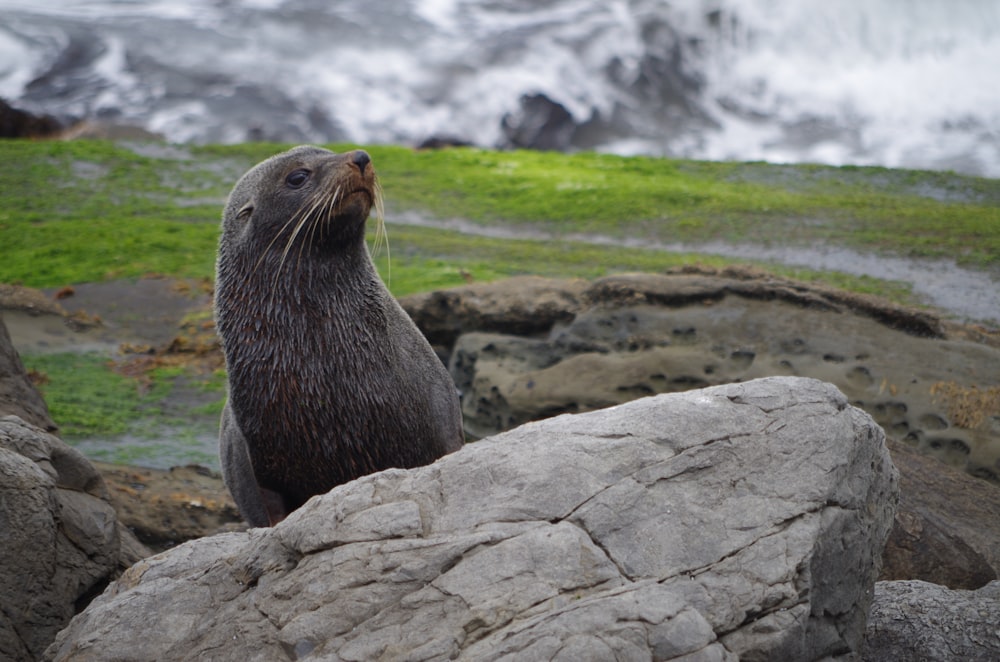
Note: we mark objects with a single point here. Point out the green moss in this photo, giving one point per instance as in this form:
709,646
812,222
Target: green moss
85,396
88,398
82,211
670,201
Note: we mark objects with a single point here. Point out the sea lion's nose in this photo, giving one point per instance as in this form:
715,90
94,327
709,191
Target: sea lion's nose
361,159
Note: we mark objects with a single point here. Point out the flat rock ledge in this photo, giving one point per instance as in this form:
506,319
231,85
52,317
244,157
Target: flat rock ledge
736,522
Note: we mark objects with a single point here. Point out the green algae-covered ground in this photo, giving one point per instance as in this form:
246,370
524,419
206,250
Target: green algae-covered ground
93,211
83,211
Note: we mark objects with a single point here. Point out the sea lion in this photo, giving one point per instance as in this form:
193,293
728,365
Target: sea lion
329,379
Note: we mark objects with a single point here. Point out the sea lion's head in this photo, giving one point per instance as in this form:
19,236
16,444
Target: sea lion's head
303,199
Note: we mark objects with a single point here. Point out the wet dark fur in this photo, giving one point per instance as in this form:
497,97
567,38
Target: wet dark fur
329,379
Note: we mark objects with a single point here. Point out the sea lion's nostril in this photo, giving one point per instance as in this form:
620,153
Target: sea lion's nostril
361,159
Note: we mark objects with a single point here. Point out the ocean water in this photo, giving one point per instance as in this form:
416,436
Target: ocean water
899,83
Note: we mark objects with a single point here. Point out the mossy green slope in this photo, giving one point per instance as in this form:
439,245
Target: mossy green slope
90,210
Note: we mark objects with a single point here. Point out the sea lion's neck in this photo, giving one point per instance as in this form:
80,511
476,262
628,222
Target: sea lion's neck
312,296
308,326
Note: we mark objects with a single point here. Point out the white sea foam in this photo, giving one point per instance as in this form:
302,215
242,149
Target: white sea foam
856,81
17,62
913,84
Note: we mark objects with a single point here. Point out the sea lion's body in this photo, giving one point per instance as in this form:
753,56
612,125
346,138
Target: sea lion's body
329,379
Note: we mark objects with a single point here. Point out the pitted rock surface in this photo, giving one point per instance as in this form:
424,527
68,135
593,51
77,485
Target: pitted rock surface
930,384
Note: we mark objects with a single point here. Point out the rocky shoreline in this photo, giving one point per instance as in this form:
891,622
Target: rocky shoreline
693,329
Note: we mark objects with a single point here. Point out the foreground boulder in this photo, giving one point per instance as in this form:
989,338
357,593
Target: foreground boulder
61,541
913,621
739,521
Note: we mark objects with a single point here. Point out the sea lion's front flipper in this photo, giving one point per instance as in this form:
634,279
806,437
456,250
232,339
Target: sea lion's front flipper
237,472
274,504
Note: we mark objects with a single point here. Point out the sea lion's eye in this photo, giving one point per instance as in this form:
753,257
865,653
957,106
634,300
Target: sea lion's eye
244,213
297,178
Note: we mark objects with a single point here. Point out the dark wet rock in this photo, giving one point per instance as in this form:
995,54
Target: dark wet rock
946,530
16,123
916,621
62,543
525,305
740,522
539,123
443,142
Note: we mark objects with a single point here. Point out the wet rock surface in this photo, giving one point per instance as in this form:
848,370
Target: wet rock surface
946,531
164,508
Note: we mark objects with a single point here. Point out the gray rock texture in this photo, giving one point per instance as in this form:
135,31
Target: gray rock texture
582,346
61,541
915,621
737,522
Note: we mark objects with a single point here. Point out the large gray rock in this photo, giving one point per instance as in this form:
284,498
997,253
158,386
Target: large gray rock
737,522
60,542
915,621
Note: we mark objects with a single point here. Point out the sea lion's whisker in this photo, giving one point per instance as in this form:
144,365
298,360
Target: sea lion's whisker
320,213
299,218
316,206
377,200
267,249
381,232
304,218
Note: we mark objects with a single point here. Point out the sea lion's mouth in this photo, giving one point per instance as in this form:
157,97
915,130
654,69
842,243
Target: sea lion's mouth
357,201
357,195
364,190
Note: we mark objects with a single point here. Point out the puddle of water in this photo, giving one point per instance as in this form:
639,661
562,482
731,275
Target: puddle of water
970,295
169,447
